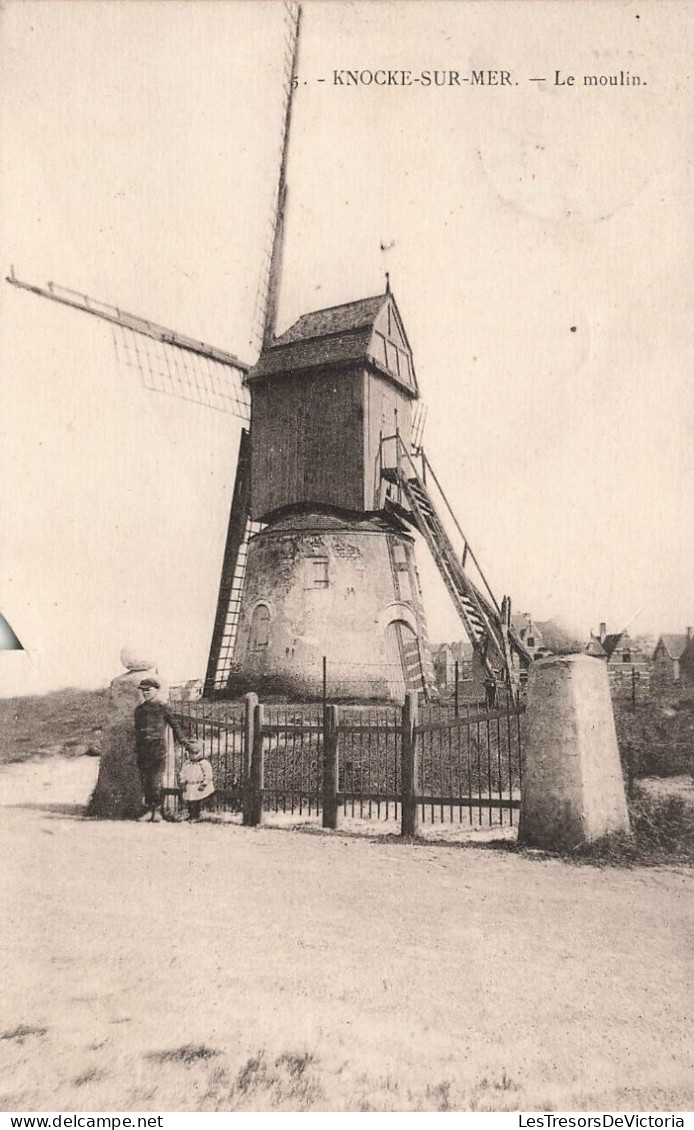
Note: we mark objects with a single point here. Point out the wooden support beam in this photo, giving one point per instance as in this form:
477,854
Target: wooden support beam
240,507
250,704
257,771
134,322
330,766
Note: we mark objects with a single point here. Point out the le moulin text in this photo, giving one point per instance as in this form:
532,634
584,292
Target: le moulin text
449,78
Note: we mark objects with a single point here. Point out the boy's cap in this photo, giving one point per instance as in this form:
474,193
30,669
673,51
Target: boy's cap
147,683
194,743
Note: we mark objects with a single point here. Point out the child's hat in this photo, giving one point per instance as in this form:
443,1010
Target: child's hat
146,683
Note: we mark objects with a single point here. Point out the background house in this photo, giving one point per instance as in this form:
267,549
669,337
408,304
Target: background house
687,665
445,656
667,656
595,648
529,632
627,660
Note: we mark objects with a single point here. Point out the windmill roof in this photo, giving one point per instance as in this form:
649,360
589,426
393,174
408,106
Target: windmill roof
334,320
333,336
309,353
674,644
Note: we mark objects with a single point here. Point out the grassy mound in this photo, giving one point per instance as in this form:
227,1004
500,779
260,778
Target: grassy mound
662,834
68,721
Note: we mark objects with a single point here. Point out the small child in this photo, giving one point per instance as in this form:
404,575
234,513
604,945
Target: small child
195,779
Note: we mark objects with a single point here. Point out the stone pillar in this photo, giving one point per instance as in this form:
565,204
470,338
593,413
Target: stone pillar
118,791
572,789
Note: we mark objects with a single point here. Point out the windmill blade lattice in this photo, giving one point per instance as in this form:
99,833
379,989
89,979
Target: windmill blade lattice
271,257
172,369
166,361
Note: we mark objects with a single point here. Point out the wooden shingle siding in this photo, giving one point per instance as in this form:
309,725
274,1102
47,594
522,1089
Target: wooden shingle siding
306,442
323,394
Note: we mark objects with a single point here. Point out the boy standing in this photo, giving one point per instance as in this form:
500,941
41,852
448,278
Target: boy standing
152,720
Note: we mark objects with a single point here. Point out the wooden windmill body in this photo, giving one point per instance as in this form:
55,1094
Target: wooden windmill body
331,575
331,482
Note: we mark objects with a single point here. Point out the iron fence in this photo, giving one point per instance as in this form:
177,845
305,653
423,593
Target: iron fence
440,765
369,749
219,726
470,767
292,758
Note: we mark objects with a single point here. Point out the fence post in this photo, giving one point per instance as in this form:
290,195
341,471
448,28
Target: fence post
250,703
330,737
257,769
409,770
456,699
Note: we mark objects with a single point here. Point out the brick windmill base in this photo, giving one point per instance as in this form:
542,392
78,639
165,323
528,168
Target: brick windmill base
323,584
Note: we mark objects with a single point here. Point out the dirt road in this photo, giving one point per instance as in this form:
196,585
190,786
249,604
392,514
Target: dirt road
182,967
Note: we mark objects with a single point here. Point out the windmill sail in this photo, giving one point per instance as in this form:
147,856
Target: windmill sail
274,277
241,525
167,361
172,363
267,296
203,378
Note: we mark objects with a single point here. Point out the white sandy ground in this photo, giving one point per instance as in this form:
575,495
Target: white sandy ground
326,972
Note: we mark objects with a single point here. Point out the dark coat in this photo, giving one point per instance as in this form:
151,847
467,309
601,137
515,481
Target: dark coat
151,720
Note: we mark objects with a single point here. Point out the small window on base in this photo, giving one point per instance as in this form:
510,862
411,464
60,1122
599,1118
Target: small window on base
317,573
260,628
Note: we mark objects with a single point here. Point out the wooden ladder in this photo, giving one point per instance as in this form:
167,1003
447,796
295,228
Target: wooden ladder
486,623
240,531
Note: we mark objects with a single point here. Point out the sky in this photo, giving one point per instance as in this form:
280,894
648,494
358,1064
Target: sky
540,254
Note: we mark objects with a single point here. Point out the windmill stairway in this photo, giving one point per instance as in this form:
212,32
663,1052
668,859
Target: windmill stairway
487,625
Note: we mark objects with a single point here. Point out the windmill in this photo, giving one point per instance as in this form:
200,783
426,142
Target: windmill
320,555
